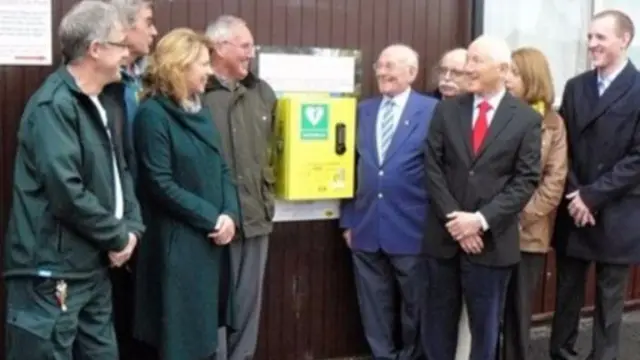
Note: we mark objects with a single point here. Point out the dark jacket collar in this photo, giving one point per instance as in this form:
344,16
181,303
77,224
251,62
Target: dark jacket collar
68,80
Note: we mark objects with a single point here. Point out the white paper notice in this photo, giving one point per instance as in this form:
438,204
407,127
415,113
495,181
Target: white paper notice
25,32
308,73
306,210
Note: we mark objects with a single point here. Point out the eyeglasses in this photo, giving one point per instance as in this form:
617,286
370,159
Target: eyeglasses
444,71
246,47
389,66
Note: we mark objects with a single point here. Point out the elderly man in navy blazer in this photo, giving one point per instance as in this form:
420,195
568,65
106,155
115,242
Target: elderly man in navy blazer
384,223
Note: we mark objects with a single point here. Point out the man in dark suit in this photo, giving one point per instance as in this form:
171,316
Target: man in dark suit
384,222
599,220
483,165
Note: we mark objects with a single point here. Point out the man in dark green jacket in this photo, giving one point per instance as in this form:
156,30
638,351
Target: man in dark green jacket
74,213
242,107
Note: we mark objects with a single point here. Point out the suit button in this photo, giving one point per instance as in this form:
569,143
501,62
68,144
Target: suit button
599,166
471,173
380,172
379,195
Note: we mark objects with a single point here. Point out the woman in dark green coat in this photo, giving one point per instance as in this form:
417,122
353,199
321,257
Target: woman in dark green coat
189,204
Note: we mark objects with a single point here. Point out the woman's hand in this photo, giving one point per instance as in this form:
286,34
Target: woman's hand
225,230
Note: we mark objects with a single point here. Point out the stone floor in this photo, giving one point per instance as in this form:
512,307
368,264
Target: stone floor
629,344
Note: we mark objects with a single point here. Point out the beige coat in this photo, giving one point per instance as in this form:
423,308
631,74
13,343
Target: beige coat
538,217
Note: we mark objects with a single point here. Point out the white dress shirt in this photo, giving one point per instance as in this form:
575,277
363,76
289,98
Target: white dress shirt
604,82
119,209
494,101
400,101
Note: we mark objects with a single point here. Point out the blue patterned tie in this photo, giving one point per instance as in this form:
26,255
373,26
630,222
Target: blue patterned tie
386,128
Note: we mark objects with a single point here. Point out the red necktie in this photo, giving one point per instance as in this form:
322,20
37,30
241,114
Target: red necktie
481,125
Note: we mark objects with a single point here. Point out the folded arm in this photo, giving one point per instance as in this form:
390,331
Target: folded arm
231,205
572,182
57,154
132,216
503,208
441,199
624,176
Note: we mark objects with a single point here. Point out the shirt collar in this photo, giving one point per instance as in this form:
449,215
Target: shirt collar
609,79
494,100
136,70
399,100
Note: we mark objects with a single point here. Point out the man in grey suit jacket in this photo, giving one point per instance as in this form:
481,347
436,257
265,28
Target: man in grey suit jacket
483,165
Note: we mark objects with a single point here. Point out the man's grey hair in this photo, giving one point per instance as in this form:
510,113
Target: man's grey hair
406,53
497,48
222,28
86,22
129,9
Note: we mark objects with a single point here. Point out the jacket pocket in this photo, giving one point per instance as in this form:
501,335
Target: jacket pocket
268,190
29,335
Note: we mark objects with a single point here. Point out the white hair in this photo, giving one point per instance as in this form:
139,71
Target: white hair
461,52
222,28
406,53
129,9
495,47
87,21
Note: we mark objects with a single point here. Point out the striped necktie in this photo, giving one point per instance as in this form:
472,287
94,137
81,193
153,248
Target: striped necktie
386,128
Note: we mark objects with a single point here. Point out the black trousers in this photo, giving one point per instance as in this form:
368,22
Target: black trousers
611,282
517,313
377,275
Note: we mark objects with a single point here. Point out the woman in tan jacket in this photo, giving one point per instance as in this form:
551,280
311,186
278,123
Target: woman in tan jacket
530,80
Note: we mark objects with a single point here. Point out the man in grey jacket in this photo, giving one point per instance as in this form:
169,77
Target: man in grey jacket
243,107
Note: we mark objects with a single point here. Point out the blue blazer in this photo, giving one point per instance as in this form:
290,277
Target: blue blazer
389,209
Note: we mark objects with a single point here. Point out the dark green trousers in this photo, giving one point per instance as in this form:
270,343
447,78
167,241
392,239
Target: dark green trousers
37,328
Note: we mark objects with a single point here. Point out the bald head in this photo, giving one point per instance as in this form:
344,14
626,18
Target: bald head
396,69
455,56
487,65
402,53
493,48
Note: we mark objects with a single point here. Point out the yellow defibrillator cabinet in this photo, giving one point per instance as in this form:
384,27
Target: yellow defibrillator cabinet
315,147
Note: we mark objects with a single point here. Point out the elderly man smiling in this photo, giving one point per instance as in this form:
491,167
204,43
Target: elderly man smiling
483,165
384,224
450,72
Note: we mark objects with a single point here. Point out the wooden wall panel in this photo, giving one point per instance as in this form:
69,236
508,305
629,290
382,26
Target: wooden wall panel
309,311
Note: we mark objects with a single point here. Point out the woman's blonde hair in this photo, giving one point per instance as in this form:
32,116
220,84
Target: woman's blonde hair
535,73
174,53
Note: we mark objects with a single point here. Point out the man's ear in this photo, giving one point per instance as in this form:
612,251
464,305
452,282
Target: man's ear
626,40
413,73
93,49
